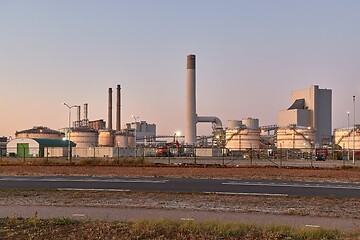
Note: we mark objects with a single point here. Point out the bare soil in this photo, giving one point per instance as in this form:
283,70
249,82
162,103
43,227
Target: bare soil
256,173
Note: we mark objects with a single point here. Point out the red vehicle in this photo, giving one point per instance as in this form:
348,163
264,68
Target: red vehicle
164,151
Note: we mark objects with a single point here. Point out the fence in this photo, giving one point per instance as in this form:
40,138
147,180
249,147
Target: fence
195,156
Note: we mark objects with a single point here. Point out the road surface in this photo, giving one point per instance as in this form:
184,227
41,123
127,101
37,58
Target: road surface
219,186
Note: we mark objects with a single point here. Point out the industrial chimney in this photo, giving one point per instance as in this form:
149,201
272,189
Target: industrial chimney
191,117
118,108
110,110
85,120
78,121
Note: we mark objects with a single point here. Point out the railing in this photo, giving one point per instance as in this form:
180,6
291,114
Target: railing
278,157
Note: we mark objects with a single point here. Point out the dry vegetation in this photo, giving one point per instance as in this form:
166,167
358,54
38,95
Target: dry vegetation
271,173
34,228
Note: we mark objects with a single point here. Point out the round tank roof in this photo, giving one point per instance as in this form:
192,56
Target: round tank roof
83,129
39,130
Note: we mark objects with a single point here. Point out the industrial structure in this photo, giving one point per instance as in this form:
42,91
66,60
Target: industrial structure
191,118
40,132
311,108
37,147
243,134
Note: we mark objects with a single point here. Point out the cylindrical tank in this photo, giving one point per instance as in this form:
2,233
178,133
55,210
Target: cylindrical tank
296,137
234,124
346,139
131,140
121,140
40,132
242,139
106,138
251,123
84,137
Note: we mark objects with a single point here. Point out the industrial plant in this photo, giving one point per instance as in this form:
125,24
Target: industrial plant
305,126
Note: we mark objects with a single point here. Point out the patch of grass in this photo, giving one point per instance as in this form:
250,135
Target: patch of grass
165,229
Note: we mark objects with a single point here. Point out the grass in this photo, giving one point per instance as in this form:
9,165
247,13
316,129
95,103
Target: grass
24,228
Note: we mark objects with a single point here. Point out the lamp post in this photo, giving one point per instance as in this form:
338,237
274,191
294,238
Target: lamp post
348,138
69,149
354,133
135,130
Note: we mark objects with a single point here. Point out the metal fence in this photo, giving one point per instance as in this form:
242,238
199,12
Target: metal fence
194,156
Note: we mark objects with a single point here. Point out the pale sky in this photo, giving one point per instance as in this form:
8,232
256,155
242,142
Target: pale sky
250,55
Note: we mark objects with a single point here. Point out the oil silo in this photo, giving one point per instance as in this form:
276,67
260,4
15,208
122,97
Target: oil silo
347,138
40,132
121,139
106,138
84,137
295,137
242,139
251,123
234,124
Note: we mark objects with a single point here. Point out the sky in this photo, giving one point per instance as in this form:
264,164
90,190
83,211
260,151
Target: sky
250,55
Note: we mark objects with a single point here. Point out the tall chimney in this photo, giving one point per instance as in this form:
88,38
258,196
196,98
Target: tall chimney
85,124
191,117
78,122
110,110
118,108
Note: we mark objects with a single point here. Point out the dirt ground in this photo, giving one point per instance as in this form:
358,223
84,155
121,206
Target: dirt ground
256,173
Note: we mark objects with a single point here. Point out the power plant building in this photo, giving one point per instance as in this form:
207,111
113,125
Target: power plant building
311,108
144,131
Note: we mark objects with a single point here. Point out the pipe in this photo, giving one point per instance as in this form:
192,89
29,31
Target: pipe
191,117
211,119
118,108
110,110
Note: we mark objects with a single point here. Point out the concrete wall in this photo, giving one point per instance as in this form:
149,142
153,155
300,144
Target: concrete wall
297,117
101,152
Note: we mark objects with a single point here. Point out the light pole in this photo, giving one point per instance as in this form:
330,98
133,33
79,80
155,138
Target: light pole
135,130
348,138
354,133
69,149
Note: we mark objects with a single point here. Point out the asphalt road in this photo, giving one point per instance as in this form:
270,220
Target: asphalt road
220,186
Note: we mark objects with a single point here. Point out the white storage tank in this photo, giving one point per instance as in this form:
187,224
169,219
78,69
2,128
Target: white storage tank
296,137
121,140
106,138
242,139
234,124
251,123
345,137
40,132
84,137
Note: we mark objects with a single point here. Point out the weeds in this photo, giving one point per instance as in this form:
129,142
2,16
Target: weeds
165,229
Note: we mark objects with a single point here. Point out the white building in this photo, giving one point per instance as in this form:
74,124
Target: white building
144,132
311,107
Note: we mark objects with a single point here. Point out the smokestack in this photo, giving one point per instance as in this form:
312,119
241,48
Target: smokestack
118,108
191,117
110,110
78,122
85,115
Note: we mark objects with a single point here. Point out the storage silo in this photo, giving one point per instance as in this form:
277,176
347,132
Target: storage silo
40,132
346,139
84,137
106,138
121,140
295,137
242,139
234,124
251,123
131,140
